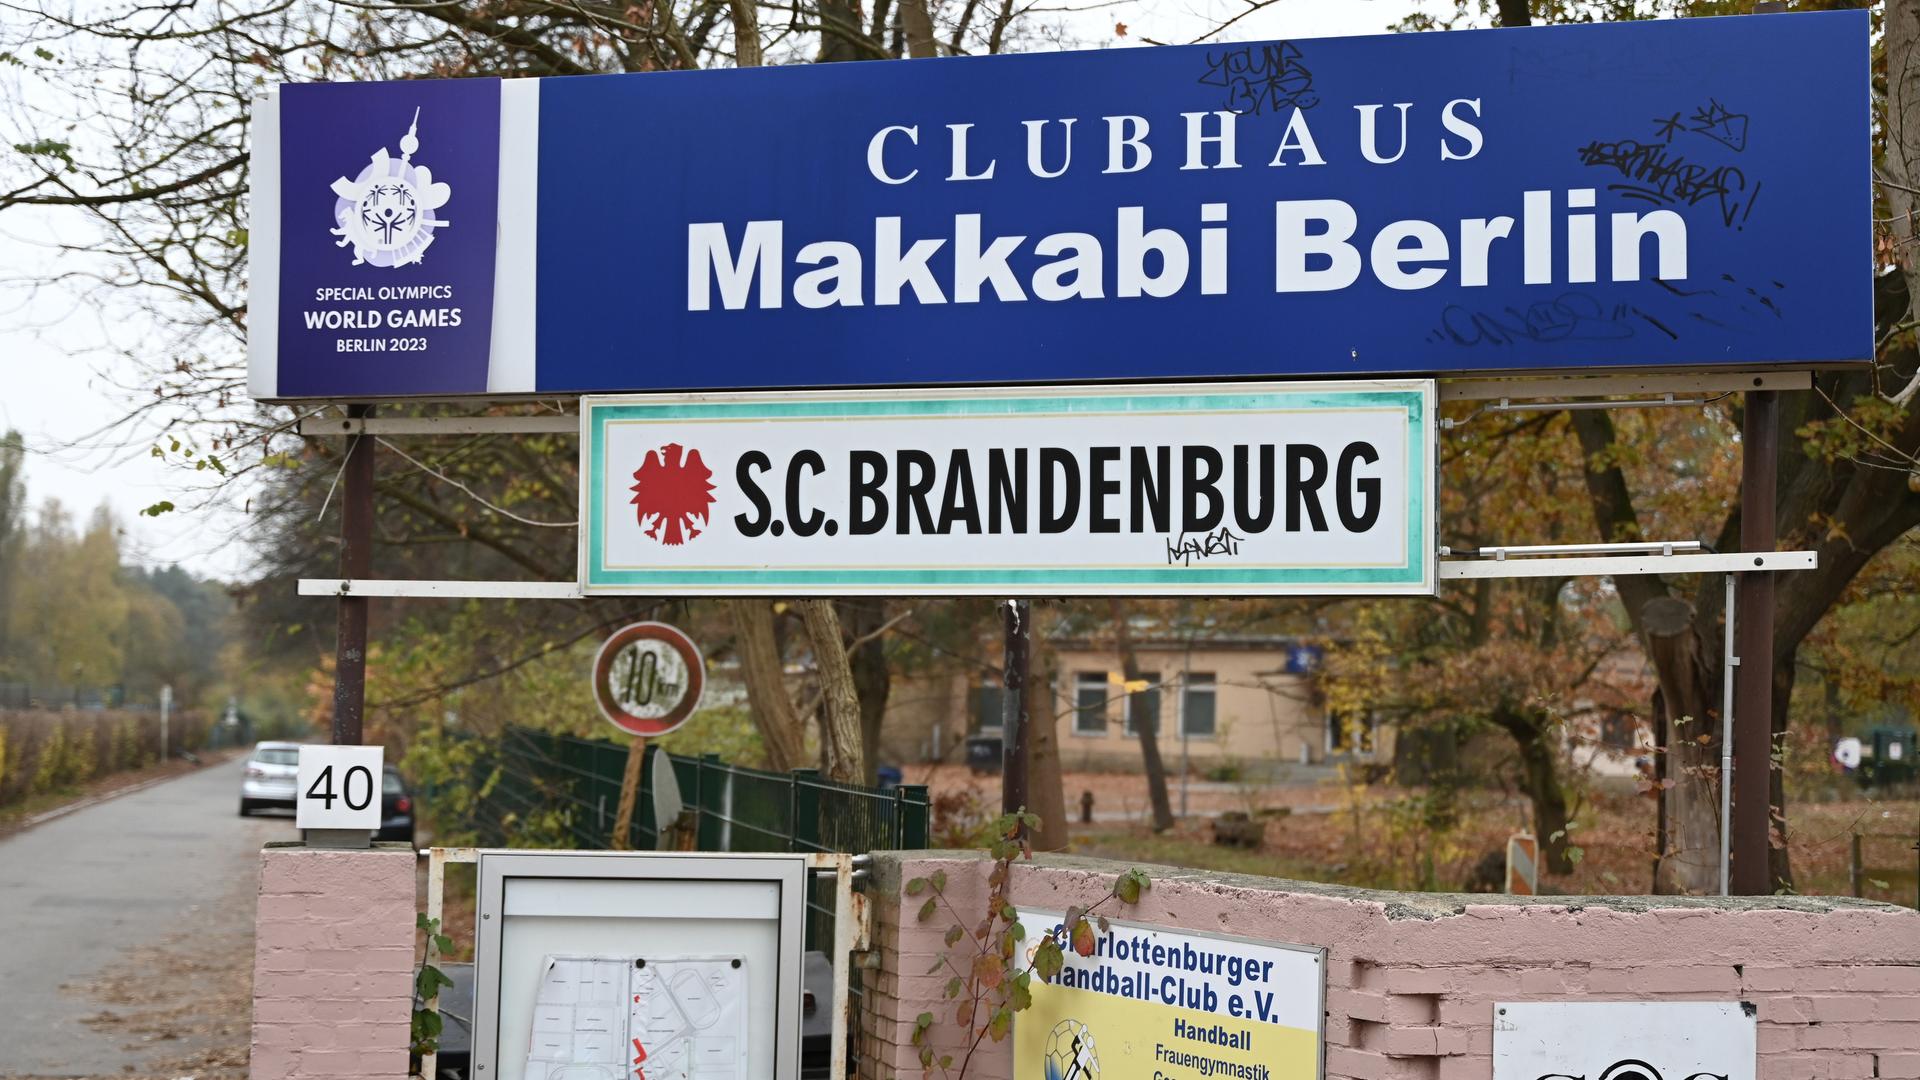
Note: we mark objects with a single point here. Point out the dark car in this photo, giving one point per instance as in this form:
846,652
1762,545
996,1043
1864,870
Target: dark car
396,808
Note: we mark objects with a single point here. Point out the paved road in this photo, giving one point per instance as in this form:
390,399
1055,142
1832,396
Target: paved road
86,895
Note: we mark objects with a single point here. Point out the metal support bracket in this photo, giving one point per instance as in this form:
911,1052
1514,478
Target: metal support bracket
447,590
540,424
1619,565
1598,386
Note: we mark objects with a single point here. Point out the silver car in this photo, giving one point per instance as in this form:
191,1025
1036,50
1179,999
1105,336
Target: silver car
269,780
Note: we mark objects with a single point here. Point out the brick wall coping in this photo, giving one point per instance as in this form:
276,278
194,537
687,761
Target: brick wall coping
1393,905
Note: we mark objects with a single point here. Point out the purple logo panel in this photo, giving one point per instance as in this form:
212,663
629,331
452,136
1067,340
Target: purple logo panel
389,199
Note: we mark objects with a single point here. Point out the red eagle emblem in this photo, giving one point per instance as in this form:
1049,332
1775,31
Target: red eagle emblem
671,492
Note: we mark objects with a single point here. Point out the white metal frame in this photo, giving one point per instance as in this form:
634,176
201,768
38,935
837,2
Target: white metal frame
1611,560
1560,386
1625,565
852,932
549,424
1449,570
792,872
446,590
1728,661
1491,388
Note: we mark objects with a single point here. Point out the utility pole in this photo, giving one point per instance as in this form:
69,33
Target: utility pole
356,564
1752,824
166,709
1017,616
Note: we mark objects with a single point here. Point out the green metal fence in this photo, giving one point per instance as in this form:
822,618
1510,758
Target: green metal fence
739,809
536,776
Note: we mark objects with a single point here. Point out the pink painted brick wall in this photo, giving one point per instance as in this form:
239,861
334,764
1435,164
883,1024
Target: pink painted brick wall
1412,978
333,963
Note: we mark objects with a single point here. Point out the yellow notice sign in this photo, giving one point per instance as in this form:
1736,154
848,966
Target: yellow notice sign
1152,1004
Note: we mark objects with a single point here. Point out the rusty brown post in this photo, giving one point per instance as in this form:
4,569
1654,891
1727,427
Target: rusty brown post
356,564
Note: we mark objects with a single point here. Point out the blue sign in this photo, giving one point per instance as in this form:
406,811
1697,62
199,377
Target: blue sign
1679,193
1304,659
386,237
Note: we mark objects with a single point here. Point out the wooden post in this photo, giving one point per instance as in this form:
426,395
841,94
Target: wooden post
1753,681
356,564
1016,616
629,794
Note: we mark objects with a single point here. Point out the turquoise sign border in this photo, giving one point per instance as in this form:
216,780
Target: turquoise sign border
597,412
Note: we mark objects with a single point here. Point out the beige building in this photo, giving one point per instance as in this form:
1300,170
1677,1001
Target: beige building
1224,701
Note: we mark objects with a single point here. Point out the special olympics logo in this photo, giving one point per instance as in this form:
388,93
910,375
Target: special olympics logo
1069,1054
387,213
671,492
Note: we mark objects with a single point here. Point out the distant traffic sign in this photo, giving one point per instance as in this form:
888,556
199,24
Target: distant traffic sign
1523,864
647,678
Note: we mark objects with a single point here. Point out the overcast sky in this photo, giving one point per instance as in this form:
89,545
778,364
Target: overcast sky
58,386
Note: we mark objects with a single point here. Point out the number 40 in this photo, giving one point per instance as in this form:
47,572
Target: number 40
322,787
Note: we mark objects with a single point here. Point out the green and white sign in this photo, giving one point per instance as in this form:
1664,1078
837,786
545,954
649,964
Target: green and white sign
1222,489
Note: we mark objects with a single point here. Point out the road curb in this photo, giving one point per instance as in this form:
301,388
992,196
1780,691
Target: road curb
95,800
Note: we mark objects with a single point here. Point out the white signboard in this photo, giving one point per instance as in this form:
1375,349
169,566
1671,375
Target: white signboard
1847,752
1624,1040
627,965
338,787
1140,490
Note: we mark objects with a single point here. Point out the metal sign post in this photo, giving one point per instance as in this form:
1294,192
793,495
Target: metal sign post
1752,823
1017,621
356,561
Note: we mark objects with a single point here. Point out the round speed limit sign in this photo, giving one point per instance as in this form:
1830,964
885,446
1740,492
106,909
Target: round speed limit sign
647,678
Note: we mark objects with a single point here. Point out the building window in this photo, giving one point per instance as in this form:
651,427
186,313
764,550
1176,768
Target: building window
1620,731
1198,698
984,702
1347,733
1144,704
1090,703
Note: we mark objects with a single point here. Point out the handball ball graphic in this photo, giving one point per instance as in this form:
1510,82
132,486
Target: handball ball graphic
1070,1052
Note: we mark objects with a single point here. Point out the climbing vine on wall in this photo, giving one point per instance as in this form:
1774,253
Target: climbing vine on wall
989,977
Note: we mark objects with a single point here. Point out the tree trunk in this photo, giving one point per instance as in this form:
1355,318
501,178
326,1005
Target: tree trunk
1692,851
765,675
1146,727
746,33
918,29
1540,775
841,32
1779,865
1902,162
1662,739
1515,13
862,619
840,752
1043,749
